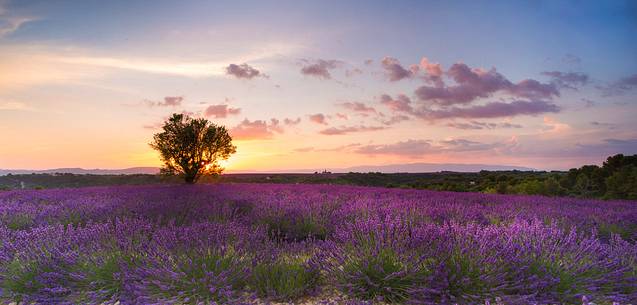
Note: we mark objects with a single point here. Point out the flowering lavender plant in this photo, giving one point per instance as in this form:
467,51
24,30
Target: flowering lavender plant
255,243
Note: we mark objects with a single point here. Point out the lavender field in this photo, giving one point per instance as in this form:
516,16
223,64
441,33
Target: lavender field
257,243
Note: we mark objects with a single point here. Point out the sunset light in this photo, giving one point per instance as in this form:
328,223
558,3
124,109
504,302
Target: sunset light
315,152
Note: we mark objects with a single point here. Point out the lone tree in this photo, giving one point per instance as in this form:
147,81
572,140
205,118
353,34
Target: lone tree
192,147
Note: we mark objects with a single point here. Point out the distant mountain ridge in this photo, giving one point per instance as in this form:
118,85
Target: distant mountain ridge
435,167
390,168
82,171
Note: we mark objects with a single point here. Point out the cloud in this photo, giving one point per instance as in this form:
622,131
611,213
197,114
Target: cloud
610,147
476,125
510,125
9,22
9,25
492,110
169,101
318,118
353,72
342,116
275,126
395,71
588,103
291,122
221,111
395,119
16,106
320,68
417,148
472,84
402,103
621,86
571,80
604,124
304,149
252,130
433,72
461,145
358,107
349,129
244,71
411,148
571,59
554,126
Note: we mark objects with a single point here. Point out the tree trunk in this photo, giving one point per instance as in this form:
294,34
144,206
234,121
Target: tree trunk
190,179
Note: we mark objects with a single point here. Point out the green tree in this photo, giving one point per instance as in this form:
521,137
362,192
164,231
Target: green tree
622,184
192,147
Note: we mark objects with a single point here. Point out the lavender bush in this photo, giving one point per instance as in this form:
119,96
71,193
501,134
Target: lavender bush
253,243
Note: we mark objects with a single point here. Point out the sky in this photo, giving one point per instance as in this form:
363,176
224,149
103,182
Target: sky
320,84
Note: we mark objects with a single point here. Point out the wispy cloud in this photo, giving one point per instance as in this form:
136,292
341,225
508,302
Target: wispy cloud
571,80
418,148
620,86
358,107
493,110
13,105
482,125
10,22
349,129
59,64
169,101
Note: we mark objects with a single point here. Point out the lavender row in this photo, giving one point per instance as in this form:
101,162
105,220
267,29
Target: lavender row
243,243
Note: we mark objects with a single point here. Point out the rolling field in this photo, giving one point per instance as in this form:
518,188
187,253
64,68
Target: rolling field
259,243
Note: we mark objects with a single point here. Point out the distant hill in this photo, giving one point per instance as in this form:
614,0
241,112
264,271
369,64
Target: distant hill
406,168
82,171
434,167
391,168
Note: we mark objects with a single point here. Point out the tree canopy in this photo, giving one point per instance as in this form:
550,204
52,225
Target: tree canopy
192,147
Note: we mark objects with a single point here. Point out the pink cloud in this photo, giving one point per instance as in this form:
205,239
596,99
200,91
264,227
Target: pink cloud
482,125
221,111
342,116
320,68
406,148
433,71
349,129
479,83
402,103
395,119
417,148
492,110
318,118
252,130
296,121
169,101
358,107
244,71
395,71
275,126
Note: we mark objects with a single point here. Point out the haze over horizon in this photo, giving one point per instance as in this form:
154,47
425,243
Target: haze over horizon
548,85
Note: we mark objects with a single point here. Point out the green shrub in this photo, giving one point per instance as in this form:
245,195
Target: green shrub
284,280
381,274
20,279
